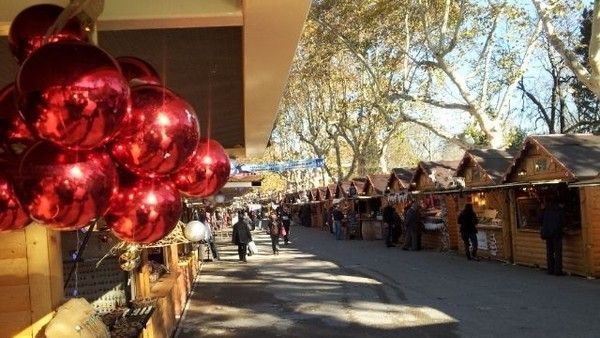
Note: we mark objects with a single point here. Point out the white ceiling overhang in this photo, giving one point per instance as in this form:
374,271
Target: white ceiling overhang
271,30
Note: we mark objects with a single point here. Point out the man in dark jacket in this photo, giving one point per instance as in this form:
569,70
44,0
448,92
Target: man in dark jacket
553,221
338,217
241,236
412,222
388,218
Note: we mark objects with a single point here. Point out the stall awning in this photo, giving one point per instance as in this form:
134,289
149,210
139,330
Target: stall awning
368,197
587,183
489,187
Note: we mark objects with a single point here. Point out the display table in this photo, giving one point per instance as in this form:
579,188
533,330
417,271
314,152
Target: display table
128,323
490,242
371,229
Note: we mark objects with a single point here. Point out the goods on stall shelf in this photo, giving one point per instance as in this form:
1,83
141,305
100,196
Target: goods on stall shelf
429,178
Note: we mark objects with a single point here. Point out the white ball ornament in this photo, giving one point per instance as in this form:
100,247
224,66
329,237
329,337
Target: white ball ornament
194,231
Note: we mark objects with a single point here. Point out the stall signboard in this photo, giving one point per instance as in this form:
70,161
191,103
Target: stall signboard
482,243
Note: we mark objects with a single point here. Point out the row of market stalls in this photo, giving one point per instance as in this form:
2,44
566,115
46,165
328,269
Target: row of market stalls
507,190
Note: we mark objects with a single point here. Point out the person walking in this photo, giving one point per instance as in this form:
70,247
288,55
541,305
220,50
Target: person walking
338,217
241,236
553,221
275,229
468,230
285,217
388,218
209,238
412,222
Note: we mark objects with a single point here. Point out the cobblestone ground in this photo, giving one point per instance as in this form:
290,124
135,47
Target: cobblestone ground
319,287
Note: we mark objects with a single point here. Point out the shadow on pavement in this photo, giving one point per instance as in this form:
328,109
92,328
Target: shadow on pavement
296,294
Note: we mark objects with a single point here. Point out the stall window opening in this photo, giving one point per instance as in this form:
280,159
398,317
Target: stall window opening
540,165
530,200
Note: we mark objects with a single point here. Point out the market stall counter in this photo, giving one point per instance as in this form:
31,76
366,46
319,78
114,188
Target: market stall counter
428,185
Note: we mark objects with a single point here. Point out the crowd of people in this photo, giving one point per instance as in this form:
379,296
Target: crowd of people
276,223
405,227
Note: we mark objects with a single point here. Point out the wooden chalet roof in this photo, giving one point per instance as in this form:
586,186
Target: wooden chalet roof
379,183
315,194
579,154
440,172
493,162
322,193
331,188
344,186
403,175
359,183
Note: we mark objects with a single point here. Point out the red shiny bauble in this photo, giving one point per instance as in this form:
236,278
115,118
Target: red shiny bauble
29,27
206,172
160,135
12,216
72,94
12,126
65,189
143,210
137,71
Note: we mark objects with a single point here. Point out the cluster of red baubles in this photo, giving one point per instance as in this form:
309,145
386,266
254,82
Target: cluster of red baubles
84,135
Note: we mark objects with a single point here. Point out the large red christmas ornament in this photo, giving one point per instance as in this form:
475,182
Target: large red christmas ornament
206,172
12,217
72,94
137,71
144,210
160,135
29,27
12,126
65,189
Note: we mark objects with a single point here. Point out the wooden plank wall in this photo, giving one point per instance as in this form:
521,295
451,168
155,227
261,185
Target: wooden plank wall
452,202
15,312
590,209
31,280
530,250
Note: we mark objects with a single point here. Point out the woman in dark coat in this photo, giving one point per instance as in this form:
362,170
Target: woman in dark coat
275,230
468,230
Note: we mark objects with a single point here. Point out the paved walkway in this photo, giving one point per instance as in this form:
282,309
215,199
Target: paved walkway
319,287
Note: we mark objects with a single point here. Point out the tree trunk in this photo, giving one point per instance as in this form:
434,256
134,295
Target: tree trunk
383,163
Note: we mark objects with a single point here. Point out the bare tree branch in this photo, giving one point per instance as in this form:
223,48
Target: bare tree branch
590,80
430,101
